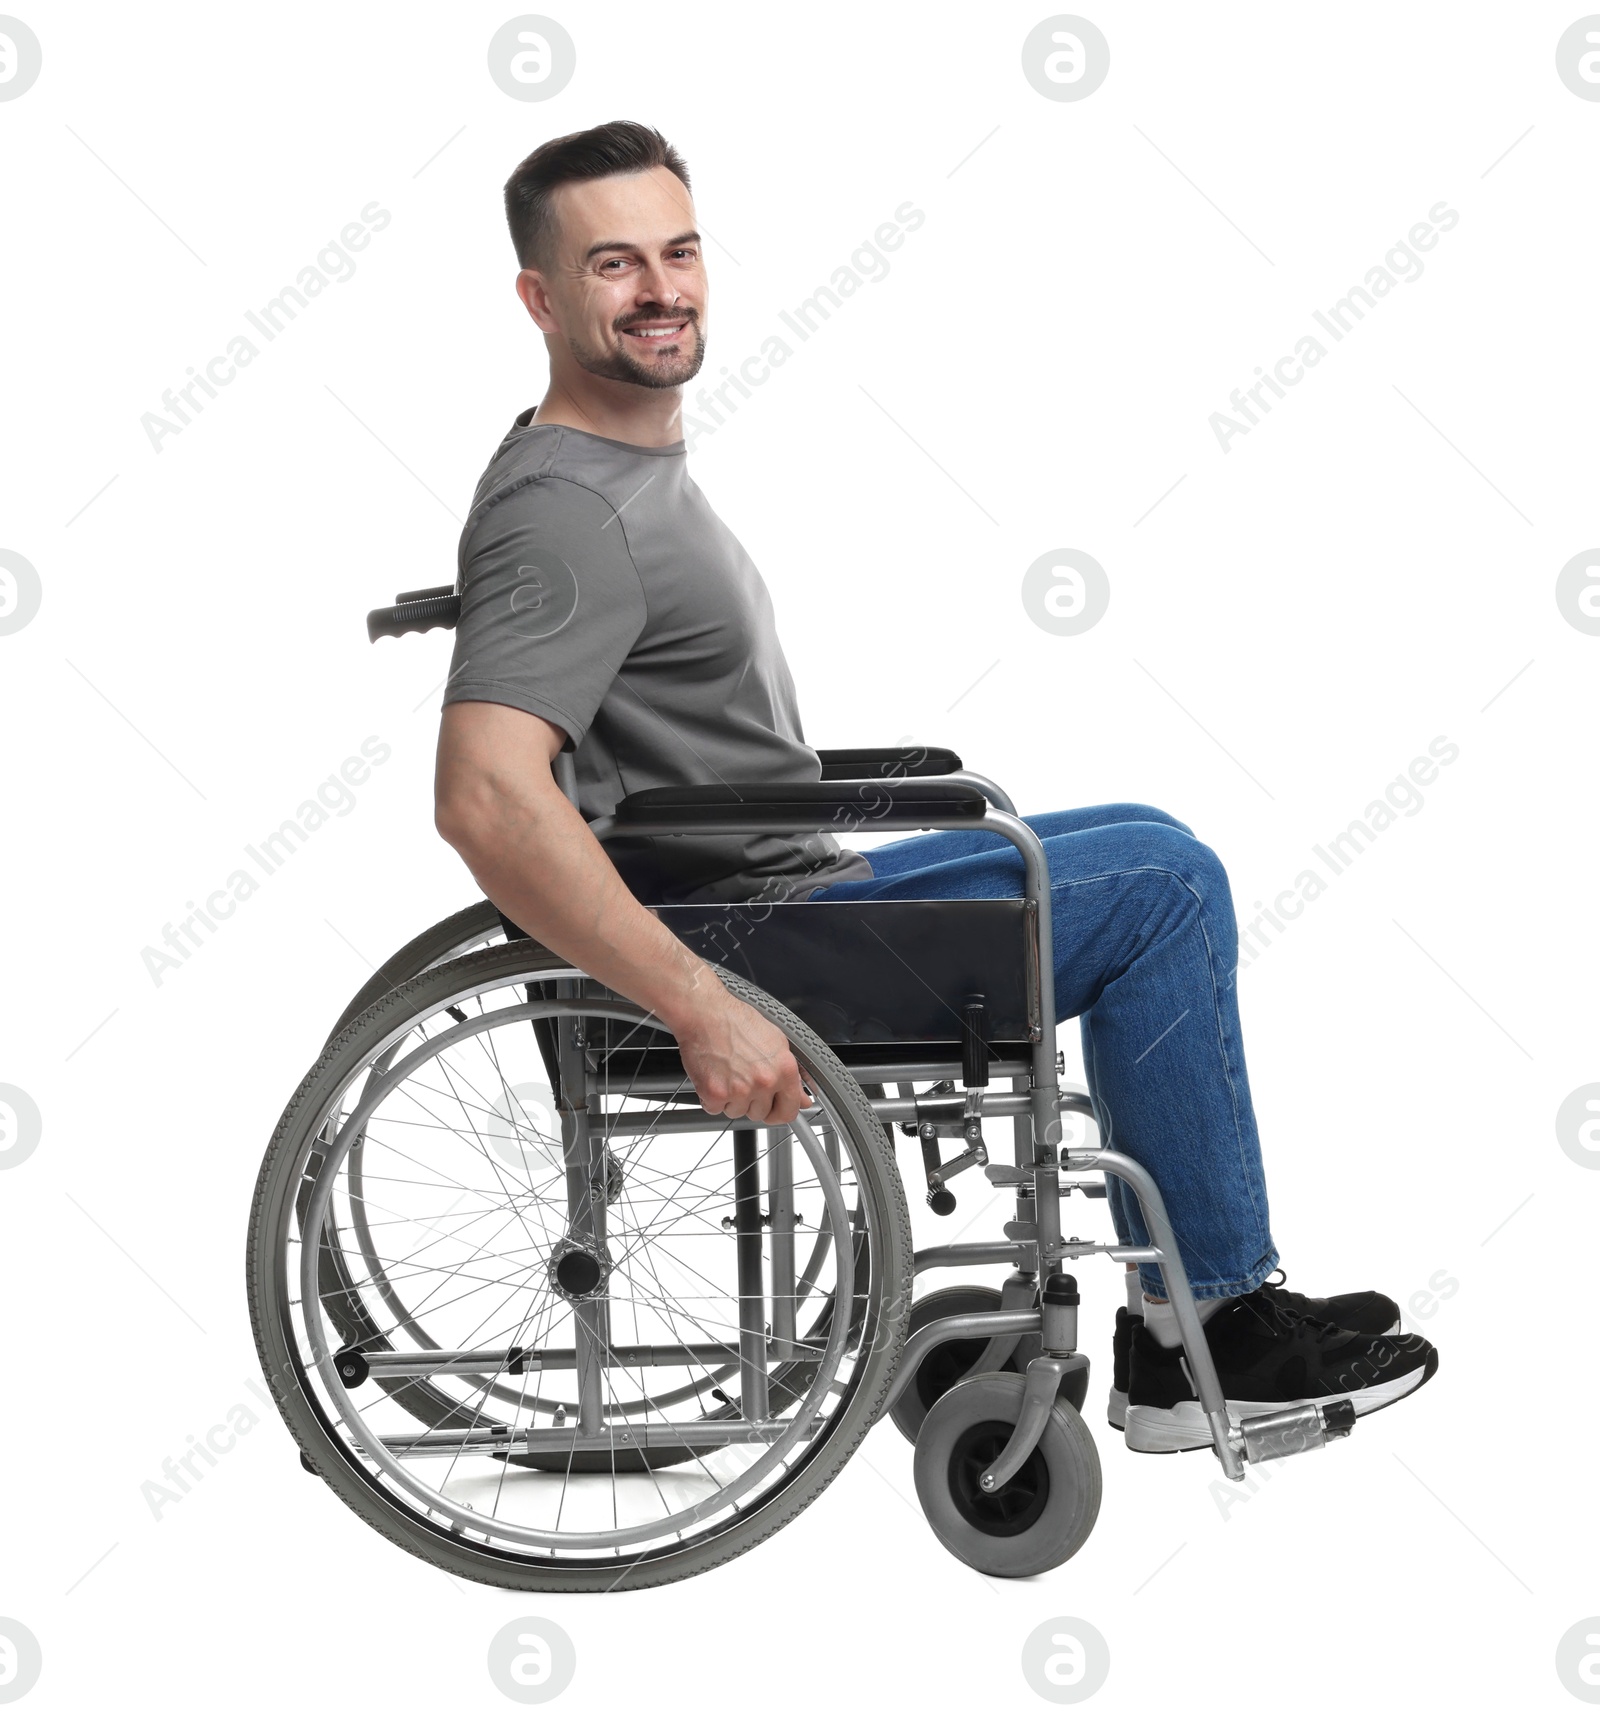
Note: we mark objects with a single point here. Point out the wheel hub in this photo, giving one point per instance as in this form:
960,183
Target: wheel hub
579,1267
1016,1505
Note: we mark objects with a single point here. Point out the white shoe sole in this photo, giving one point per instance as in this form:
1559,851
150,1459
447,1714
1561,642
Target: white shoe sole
1184,1428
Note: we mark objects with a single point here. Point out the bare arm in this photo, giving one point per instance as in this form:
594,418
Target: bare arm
497,804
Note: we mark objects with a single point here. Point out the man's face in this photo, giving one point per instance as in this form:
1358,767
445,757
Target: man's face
626,289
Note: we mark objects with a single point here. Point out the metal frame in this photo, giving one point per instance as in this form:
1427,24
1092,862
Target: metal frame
1036,1106
1034,1245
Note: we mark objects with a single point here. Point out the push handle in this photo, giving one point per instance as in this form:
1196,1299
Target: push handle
415,612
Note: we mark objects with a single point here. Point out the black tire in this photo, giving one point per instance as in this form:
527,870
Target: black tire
945,1364
1039,1519
881,1316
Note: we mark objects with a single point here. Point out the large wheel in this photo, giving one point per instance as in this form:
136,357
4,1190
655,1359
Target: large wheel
365,1303
627,1377
1038,1519
473,928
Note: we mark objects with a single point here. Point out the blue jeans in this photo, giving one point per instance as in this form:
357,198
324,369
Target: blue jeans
1145,955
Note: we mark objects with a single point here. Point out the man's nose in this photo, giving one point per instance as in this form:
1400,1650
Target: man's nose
658,288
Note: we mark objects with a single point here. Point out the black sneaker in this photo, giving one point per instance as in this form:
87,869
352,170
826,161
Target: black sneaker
1121,1351
1355,1311
1268,1357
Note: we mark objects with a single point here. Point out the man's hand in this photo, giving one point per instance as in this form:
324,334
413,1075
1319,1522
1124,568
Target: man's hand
741,1065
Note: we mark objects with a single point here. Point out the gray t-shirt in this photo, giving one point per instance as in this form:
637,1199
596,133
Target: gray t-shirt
600,592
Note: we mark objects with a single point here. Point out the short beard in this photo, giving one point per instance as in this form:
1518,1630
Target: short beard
621,366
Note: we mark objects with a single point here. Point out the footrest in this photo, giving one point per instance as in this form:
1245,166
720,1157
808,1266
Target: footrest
1009,1176
1283,1433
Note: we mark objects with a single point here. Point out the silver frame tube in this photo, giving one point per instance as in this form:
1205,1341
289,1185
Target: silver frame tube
780,1204
407,1365
1196,1349
972,1255
986,1326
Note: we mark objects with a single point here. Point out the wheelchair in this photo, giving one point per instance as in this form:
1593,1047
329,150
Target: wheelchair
541,1320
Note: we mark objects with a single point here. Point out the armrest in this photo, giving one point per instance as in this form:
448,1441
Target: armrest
850,764
803,806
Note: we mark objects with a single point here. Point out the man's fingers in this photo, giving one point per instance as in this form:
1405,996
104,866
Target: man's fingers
796,1086
791,1097
787,1100
744,1070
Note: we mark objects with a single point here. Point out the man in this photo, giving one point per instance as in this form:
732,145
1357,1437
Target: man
605,609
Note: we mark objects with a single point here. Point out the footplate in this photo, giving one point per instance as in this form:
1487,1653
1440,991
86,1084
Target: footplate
1305,1428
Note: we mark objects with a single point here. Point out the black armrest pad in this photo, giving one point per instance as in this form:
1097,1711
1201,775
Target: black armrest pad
708,805
846,764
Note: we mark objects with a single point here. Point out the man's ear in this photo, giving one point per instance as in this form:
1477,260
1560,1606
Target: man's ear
535,297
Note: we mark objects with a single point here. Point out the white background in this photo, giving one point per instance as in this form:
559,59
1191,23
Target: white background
1295,621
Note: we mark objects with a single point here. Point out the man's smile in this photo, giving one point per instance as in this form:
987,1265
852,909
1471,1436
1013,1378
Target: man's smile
657,334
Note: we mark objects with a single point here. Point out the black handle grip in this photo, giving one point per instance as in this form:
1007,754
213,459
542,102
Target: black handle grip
417,617
974,1044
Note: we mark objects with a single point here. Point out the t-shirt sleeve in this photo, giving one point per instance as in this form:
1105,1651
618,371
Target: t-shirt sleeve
551,604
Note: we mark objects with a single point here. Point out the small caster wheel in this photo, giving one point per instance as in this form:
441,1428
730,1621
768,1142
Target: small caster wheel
1037,1520
945,1364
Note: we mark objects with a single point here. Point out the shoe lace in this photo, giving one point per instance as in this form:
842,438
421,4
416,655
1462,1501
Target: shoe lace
1285,1314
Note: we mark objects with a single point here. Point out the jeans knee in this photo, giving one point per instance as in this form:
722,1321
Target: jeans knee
1199,866
1135,812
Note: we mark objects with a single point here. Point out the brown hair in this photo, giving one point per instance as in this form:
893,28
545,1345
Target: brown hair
620,146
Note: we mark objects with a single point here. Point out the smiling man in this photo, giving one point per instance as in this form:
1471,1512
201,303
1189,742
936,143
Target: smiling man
607,611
